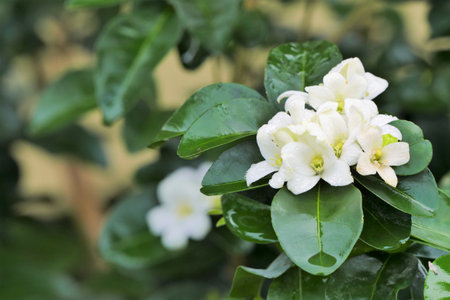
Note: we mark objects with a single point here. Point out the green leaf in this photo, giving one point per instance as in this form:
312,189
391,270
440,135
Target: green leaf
437,283
212,22
425,251
435,230
64,101
248,219
74,4
319,228
223,124
247,281
200,102
416,195
86,146
294,66
365,277
141,126
420,150
128,50
227,173
385,228
415,290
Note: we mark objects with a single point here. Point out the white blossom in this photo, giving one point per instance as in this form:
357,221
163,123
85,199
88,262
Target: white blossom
183,212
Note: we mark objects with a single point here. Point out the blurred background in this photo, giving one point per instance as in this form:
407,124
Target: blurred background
58,190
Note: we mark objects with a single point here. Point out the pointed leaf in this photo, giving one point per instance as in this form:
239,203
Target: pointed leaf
416,195
437,283
294,66
248,219
200,102
128,50
319,228
223,124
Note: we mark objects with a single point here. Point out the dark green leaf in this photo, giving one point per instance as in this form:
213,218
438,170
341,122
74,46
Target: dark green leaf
319,228
435,230
416,195
252,29
85,146
437,283
223,124
212,22
248,219
365,277
294,66
74,4
128,50
200,102
425,251
415,290
227,173
385,228
420,150
64,101
191,52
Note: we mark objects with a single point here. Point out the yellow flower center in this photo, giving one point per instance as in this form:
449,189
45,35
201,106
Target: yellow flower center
340,100
338,148
276,161
376,155
184,210
317,164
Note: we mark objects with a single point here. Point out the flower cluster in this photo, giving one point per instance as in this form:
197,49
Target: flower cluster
326,130
183,212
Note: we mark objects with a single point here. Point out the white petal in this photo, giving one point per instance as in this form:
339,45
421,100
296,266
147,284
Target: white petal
381,120
334,126
338,174
159,218
335,82
267,147
327,107
174,238
296,109
376,85
277,180
280,119
392,130
298,156
300,183
197,226
356,87
365,166
395,154
371,139
349,66
350,153
296,94
258,171
319,95
183,178
388,175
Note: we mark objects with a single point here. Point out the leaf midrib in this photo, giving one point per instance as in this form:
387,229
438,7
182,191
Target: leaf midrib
378,277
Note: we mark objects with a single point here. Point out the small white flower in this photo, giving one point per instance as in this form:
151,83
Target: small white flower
271,138
310,159
379,157
183,212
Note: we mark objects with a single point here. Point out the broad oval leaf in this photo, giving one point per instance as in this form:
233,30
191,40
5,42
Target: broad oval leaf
416,195
248,219
64,101
212,22
75,4
420,150
319,228
227,173
294,66
128,50
247,281
200,102
366,277
223,124
437,283
385,228
435,230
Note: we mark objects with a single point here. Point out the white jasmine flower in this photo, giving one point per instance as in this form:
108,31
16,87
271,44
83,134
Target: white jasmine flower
310,159
295,106
346,80
271,138
183,212
378,157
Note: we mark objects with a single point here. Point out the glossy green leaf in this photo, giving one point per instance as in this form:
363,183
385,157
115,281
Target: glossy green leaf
420,150
435,230
385,228
248,219
227,173
294,66
200,102
437,283
366,277
247,281
425,251
87,146
74,4
128,50
212,22
415,290
64,101
319,228
223,124
416,195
